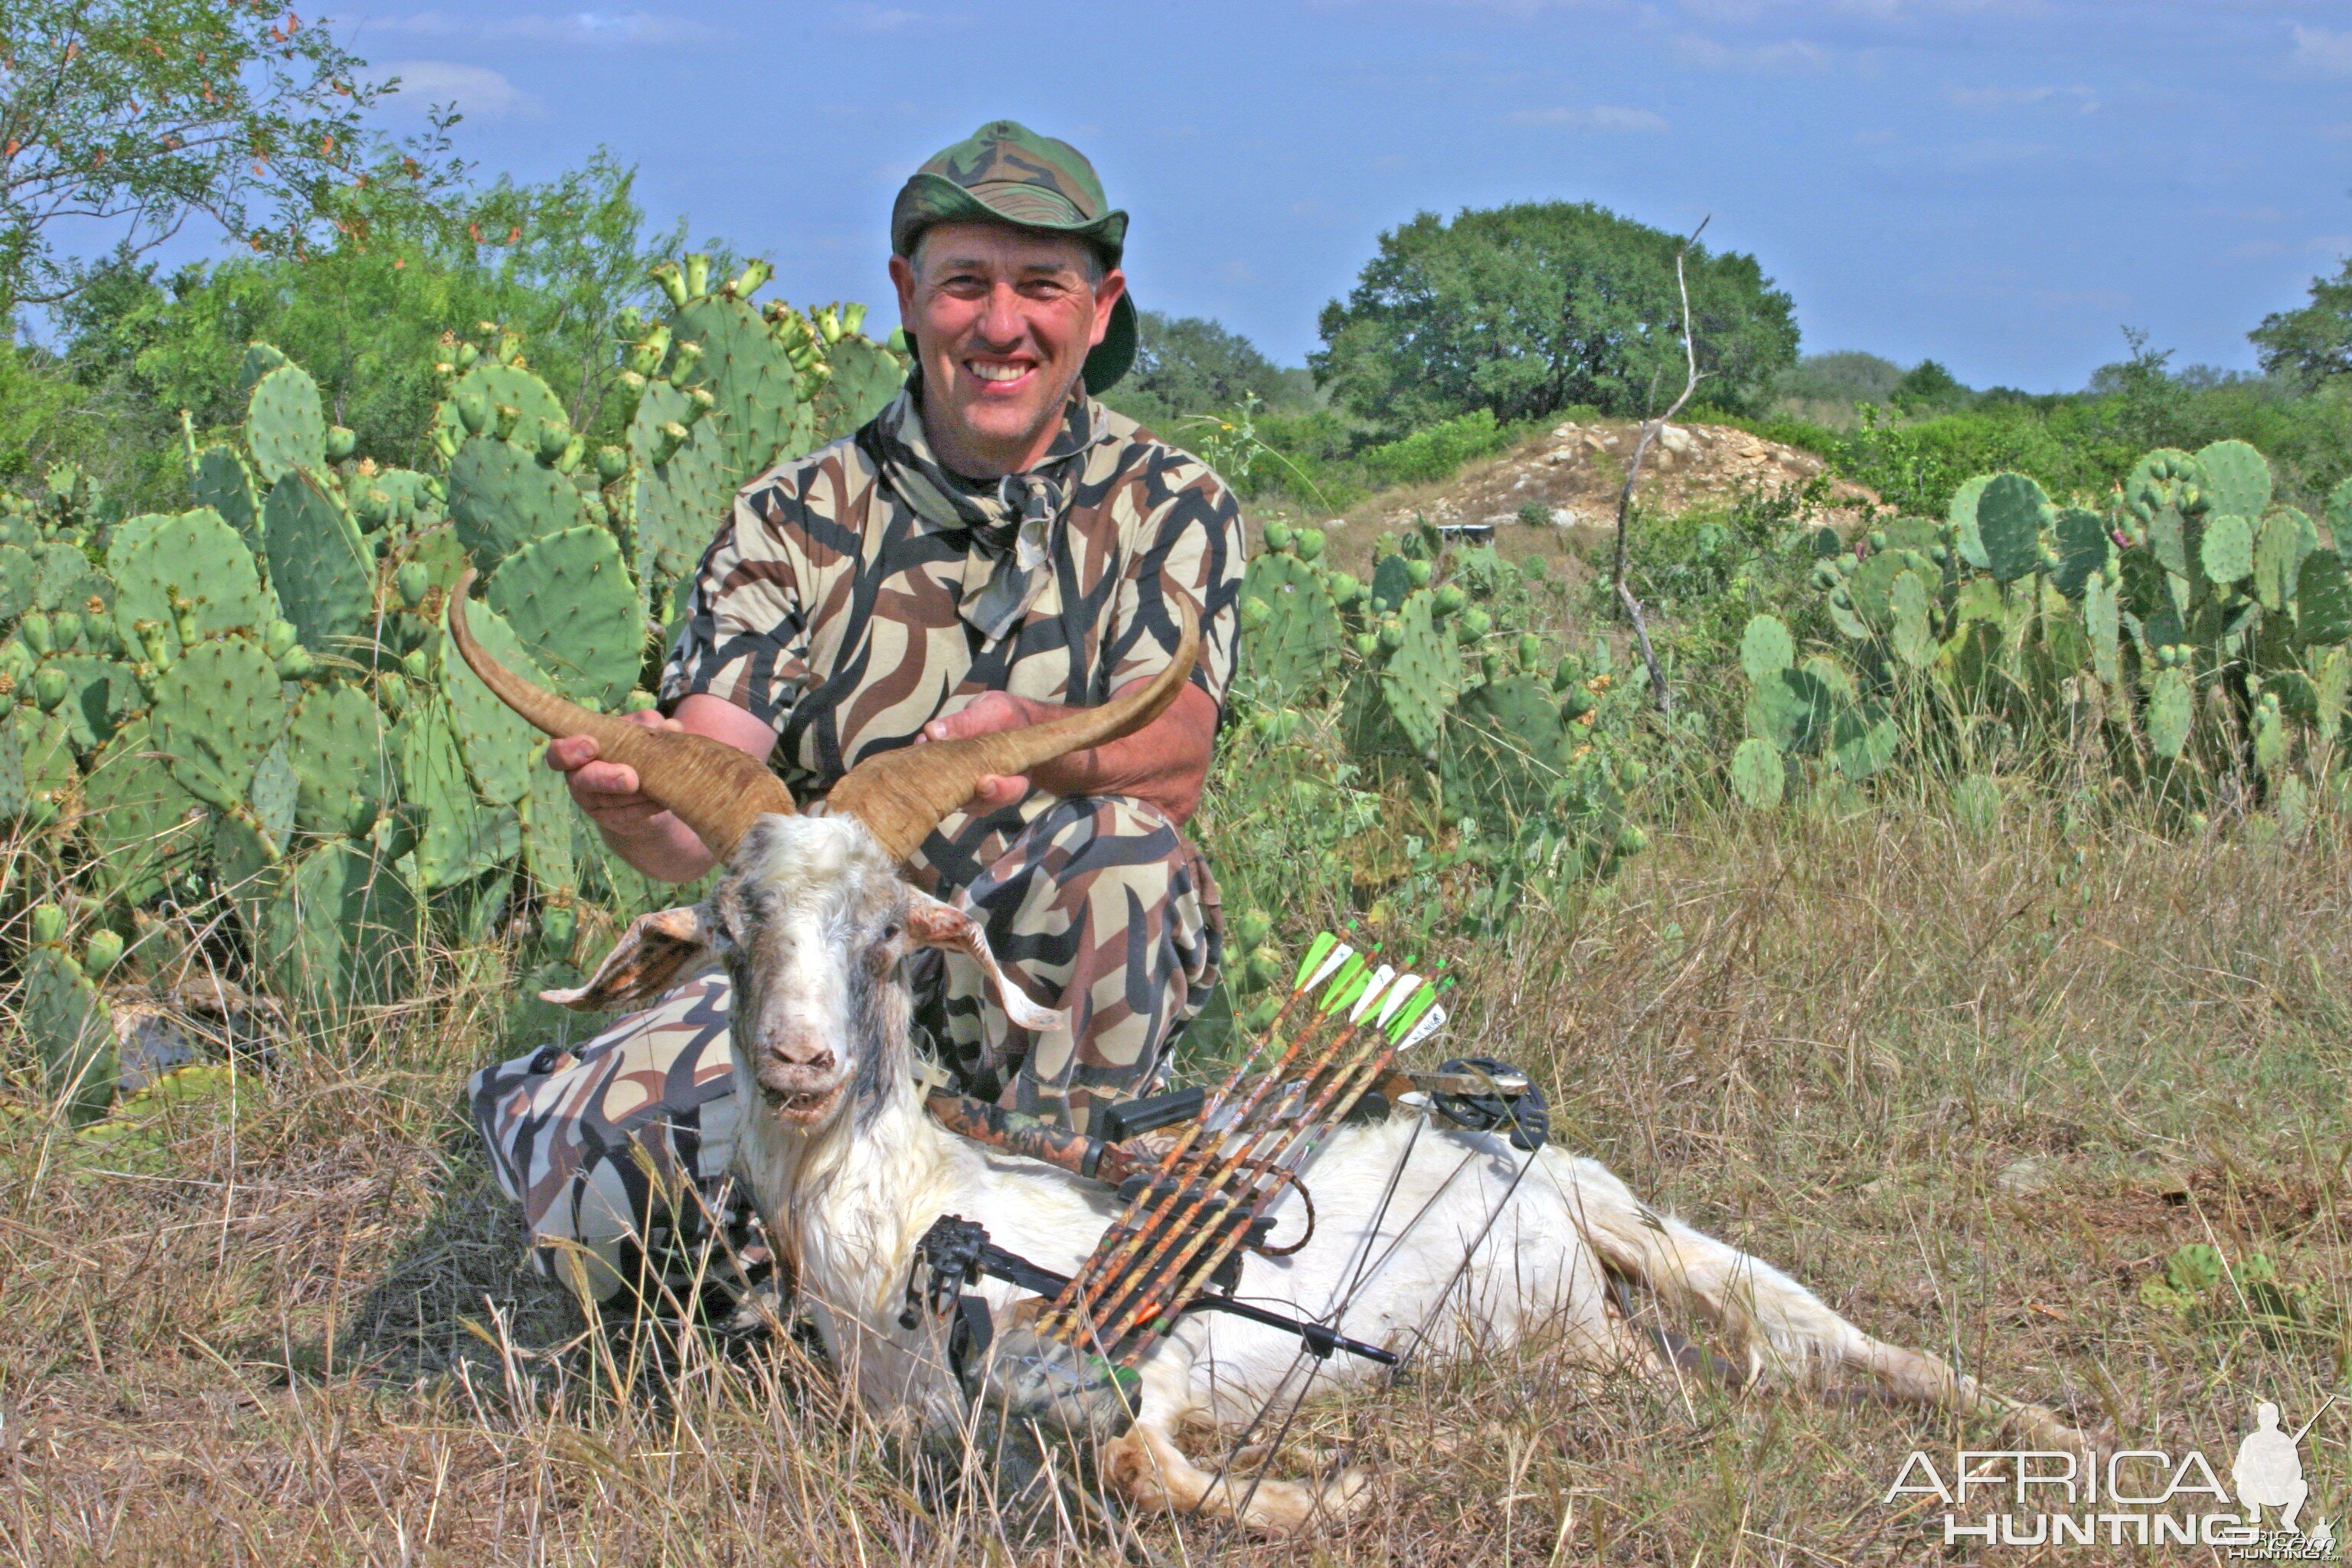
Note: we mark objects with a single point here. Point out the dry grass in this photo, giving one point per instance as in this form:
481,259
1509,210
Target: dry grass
1973,1092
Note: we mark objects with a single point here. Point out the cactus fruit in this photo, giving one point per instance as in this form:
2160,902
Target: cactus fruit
285,426
1757,774
101,953
569,601
217,713
319,565
467,408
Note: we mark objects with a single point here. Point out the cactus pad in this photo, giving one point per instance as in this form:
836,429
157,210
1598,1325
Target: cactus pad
2082,550
680,502
320,567
159,562
99,693
498,745
2171,703
245,863
2227,550
2323,599
217,713
2237,479
501,498
1792,708
758,413
1962,517
1421,676
1295,651
2287,536
2009,515
497,383
144,826
285,426
1503,751
1759,774
1911,622
219,480
342,929
463,837
866,377
569,601
68,1024
1766,647
1863,741
343,773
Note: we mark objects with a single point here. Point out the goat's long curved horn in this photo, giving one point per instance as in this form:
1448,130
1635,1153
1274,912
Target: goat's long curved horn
901,795
707,784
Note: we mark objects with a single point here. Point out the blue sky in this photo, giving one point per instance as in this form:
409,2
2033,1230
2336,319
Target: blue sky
2002,185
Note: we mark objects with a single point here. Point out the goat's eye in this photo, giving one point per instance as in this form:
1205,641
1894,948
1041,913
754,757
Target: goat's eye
891,931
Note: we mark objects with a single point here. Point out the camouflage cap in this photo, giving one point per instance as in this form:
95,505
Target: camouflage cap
1005,173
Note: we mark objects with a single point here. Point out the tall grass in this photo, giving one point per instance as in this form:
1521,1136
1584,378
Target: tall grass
1971,1081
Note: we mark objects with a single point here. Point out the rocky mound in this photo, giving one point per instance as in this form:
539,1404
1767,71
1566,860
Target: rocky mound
1574,474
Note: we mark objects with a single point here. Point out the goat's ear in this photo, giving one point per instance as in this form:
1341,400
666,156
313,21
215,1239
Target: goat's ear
646,962
935,924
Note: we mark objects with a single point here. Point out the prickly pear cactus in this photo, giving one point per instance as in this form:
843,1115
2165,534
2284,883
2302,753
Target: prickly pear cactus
1290,643
319,564
2160,628
218,712
342,929
67,1023
569,600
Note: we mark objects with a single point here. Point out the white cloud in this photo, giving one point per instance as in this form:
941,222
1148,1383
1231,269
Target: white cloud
601,29
1598,117
2323,49
474,89
1789,55
2082,100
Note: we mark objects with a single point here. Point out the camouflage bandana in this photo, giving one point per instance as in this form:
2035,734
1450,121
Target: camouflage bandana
1010,520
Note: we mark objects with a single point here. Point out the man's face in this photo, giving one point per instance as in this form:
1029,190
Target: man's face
1002,320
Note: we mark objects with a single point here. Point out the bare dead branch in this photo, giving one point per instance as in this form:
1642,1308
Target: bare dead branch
1660,692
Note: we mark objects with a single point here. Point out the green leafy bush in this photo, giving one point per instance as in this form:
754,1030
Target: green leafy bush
1435,451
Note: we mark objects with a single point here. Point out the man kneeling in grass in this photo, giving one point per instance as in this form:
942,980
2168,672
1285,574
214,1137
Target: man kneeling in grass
993,546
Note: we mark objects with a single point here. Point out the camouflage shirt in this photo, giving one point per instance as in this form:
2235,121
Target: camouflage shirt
857,593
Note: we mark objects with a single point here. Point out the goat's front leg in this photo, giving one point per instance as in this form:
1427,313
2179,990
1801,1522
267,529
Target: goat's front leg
1146,1467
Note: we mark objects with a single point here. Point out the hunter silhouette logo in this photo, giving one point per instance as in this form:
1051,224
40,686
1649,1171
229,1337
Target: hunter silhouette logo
2142,1497
2269,1474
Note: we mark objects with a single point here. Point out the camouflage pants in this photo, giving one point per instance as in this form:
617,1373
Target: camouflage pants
619,1149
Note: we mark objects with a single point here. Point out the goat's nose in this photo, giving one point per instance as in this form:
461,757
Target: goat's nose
803,1055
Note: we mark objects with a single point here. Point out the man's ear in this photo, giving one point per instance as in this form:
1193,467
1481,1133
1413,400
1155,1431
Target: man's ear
935,924
646,962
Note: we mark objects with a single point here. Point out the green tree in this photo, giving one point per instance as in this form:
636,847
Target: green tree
1527,308
2313,344
136,115
557,261
1928,388
1188,365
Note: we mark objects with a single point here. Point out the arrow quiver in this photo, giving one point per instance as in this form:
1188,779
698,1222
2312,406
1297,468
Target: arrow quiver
1192,1212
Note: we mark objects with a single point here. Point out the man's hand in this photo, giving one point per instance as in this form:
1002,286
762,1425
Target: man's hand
639,829
1165,763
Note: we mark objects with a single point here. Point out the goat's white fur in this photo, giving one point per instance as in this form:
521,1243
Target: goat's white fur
850,1198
